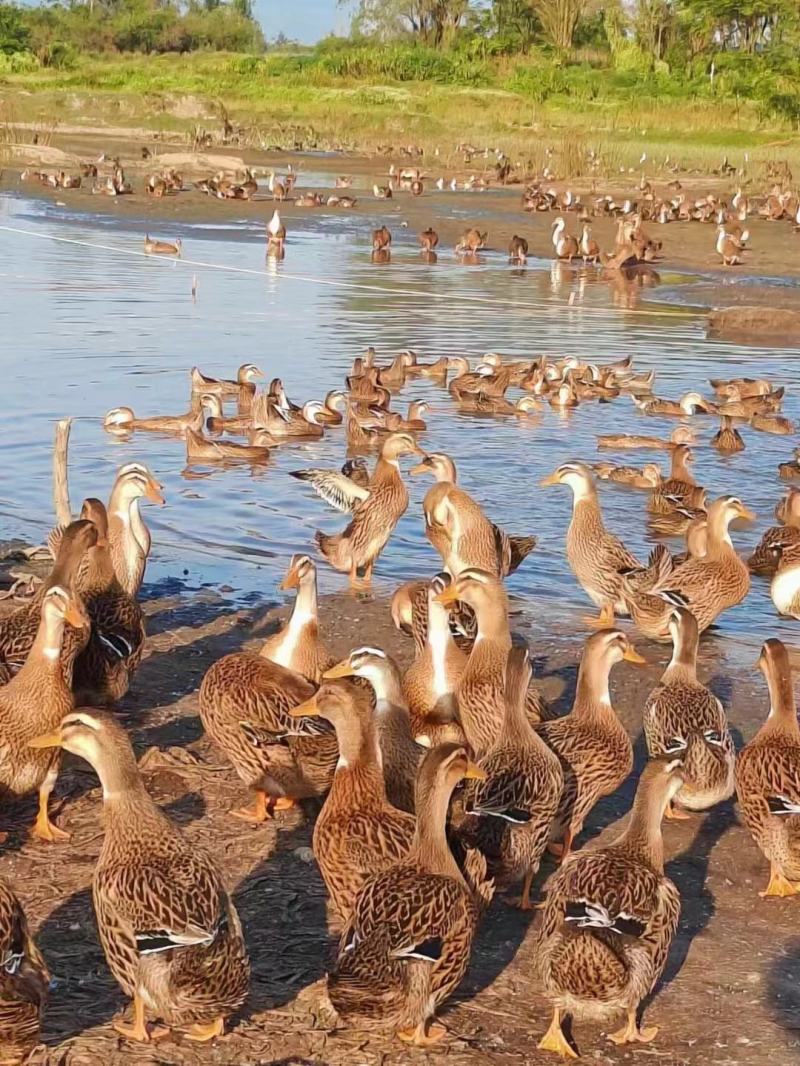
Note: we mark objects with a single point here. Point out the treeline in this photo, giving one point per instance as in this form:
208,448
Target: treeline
57,34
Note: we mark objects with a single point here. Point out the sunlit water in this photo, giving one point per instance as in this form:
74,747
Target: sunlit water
88,328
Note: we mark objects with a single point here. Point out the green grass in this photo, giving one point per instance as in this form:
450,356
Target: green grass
371,97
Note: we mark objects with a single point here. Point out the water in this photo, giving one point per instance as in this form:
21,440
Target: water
86,329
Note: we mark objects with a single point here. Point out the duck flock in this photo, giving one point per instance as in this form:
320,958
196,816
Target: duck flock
435,786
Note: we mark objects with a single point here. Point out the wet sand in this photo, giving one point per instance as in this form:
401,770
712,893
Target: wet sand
730,990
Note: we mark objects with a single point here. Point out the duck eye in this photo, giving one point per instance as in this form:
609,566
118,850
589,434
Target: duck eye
713,737
674,745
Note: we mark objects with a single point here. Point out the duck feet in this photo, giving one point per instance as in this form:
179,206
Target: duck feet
426,1034
524,902
779,886
44,829
202,1033
630,1033
676,813
554,1039
605,619
258,813
138,1029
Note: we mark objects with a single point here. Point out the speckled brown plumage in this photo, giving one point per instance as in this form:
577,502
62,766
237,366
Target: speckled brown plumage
24,981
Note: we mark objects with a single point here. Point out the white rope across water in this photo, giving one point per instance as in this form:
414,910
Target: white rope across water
378,290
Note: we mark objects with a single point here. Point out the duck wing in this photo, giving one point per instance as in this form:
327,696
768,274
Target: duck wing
335,488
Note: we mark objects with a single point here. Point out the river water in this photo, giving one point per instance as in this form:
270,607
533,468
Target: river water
90,325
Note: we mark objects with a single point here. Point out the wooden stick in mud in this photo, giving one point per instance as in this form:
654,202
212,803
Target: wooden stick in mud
60,475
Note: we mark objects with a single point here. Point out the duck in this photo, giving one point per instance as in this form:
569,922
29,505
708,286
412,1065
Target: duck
167,925
200,449
35,700
297,645
791,469
678,490
680,435
129,539
609,920
649,477
123,420
400,754
768,776
430,682
690,404
684,720
408,942
784,588
358,832
216,421
244,704
381,239
376,511
24,981
246,377
727,439
594,749
740,388
775,424
20,629
276,235
784,536
471,241
510,813
453,531
728,247
518,249
707,586
565,245
596,557
156,247
307,423
481,686
589,248
382,192
428,239
103,670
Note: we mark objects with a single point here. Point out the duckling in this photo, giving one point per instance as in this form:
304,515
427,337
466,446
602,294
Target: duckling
609,920
156,247
511,812
276,235
595,751
727,439
428,239
518,249
684,720
679,435
764,559
35,700
408,942
596,557
359,832
768,777
168,927
374,517
24,982
297,645
400,754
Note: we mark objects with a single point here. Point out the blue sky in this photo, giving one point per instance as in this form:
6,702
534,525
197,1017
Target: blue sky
303,20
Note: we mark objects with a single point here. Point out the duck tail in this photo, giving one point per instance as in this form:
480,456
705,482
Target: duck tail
521,548
330,546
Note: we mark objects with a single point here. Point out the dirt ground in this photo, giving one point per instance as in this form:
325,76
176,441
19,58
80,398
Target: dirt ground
686,246
729,995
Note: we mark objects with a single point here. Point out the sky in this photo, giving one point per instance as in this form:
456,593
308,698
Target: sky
302,20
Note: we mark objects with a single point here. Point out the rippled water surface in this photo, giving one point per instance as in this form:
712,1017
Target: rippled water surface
88,328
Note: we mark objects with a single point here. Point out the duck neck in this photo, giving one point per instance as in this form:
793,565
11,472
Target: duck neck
358,779
643,838
683,664
99,574
719,539
430,849
44,658
782,716
592,695
680,471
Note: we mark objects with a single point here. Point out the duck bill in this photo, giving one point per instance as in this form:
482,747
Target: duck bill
292,579
551,479
631,655
474,772
75,617
421,468
154,494
446,596
46,740
342,669
747,514
309,709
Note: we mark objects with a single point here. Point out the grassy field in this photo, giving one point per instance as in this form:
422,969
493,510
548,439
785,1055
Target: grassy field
350,103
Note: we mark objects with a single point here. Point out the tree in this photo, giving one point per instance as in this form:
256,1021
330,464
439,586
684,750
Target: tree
652,22
433,22
14,35
559,19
